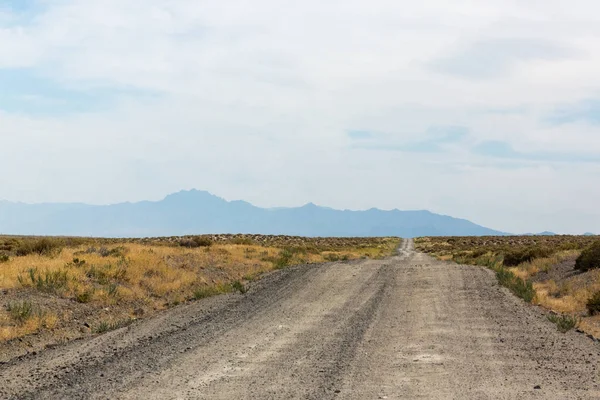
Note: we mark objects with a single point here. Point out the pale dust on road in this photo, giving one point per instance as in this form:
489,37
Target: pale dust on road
406,327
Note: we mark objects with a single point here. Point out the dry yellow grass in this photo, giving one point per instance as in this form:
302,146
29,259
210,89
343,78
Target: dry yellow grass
128,276
557,286
10,330
591,325
570,296
529,269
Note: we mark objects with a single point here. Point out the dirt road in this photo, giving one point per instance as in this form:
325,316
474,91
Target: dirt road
406,327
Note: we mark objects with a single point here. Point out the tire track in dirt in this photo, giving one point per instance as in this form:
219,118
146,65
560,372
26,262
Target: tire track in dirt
405,327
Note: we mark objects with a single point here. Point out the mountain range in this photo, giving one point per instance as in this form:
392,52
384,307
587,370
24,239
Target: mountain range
197,212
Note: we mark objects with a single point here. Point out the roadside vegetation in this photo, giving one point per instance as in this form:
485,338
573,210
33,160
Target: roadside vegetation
62,288
559,273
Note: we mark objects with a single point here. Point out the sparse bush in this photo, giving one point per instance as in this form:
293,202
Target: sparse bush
196,241
589,258
4,258
204,292
120,273
102,327
202,241
74,241
478,253
105,326
187,243
119,251
108,273
243,241
564,322
99,274
47,281
75,263
85,296
284,259
331,257
513,258
20,311
593,304
516,285
91,250
42,247
239,287
113,290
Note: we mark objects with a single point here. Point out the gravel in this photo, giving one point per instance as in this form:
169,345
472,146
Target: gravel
404,327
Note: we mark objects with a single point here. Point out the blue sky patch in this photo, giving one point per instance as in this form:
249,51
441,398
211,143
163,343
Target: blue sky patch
20,5
446,134
586,111
25,91
432,140
499,149
494,58
20,11
359,134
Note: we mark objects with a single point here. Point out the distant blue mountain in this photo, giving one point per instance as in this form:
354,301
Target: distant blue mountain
545,233
198,212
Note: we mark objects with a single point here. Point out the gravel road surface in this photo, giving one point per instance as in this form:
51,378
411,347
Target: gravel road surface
406,327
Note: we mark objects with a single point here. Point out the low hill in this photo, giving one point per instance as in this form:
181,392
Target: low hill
197,212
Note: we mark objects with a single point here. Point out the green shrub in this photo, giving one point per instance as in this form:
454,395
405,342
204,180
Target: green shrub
109,273
521,288
47,281
75,263
113,290
202,241
102,327
515,257
331,257
243,241
239,287
4,258
196,241
99,273
284,259
43,247
564,322
204,292
85,296
20,311
105,326
119,251
593,304
589,258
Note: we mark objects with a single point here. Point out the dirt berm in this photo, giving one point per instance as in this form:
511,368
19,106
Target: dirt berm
405,327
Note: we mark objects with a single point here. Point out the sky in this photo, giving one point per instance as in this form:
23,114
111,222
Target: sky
485,110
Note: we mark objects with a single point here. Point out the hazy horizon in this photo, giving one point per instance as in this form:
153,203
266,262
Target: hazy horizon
487,111
324,206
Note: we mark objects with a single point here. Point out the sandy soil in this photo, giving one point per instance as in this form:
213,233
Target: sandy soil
405,327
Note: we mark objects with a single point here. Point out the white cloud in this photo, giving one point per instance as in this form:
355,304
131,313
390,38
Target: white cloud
253,100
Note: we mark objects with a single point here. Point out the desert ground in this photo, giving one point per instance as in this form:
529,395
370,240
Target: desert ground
406,326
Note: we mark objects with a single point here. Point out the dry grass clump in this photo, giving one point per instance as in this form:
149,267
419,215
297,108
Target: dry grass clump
108,279
593,304
546,263
20,318
529,269
570,295
503,244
